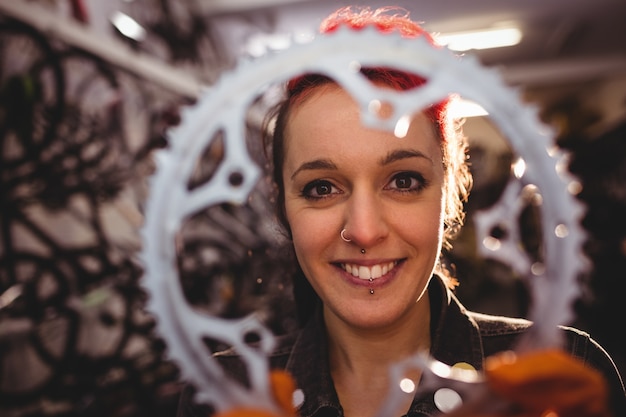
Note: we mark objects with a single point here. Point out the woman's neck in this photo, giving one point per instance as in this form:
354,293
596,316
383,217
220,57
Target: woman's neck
360,358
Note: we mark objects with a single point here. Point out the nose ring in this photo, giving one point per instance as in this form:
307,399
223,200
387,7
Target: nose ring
343,237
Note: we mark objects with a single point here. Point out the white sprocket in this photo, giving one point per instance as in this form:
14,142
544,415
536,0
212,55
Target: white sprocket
222,108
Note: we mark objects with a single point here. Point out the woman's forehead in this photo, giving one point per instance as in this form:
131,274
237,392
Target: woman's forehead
329,122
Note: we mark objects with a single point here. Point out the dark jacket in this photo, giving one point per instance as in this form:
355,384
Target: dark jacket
458,335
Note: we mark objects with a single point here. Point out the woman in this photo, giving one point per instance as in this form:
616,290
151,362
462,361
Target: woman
369,215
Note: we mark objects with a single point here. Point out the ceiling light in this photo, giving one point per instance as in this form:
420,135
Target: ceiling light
262,43
481,39
128,26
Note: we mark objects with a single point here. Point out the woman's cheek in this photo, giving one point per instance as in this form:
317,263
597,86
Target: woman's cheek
306,233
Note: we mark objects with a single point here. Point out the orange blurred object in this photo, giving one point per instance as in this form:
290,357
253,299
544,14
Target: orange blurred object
283,387
548,383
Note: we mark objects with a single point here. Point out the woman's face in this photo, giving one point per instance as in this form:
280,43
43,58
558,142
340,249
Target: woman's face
385,191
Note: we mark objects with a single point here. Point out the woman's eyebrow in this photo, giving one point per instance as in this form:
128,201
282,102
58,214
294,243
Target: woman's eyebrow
400,154
315,164
393,156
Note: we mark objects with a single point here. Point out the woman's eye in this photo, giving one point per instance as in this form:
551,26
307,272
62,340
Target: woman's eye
407,181
318,189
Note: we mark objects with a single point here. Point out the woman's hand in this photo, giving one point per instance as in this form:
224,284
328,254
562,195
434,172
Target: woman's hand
548,383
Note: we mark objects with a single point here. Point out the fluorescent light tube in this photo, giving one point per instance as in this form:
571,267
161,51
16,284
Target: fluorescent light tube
481,39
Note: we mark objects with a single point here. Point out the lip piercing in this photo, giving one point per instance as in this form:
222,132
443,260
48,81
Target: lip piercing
363,251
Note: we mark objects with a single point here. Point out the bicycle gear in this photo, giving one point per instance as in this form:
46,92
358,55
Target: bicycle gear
220,112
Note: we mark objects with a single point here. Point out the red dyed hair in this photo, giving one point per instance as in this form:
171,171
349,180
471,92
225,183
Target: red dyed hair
382,19
385,20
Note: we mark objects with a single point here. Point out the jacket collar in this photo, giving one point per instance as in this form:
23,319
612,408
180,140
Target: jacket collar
308,364
455,335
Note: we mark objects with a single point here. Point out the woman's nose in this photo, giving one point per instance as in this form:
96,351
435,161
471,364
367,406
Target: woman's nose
365,219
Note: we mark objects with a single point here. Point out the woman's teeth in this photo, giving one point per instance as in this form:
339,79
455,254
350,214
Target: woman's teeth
368,272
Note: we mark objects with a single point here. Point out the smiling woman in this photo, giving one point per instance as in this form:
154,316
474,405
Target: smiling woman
393,209
368,214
